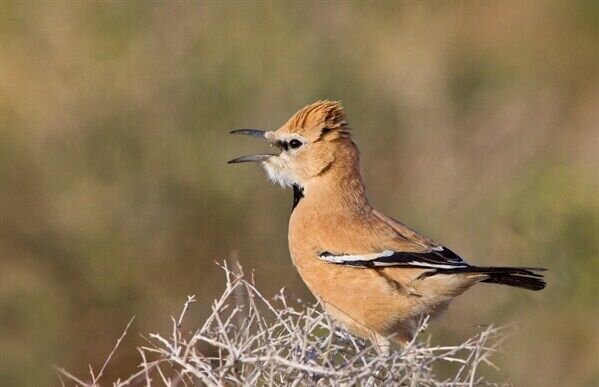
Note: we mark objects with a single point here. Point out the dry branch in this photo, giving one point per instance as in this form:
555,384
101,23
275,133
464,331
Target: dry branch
252,340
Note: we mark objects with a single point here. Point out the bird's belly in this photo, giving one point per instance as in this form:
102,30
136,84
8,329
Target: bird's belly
363,300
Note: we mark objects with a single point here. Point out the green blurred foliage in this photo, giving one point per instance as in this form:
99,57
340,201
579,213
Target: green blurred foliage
477,121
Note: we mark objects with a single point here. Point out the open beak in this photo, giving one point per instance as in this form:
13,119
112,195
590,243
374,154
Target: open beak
250,158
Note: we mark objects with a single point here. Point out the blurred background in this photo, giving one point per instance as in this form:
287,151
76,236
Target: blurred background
477,121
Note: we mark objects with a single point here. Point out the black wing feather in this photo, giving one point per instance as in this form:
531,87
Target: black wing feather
441,258
442,261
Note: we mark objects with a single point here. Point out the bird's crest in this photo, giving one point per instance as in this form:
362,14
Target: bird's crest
318,116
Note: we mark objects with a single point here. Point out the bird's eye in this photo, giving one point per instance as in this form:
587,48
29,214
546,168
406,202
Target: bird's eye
294,144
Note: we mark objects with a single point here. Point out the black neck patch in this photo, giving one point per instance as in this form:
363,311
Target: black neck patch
298,194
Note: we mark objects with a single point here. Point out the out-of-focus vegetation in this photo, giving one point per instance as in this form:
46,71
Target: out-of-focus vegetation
478,125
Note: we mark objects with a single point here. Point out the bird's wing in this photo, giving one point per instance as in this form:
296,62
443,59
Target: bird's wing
406,248
437,258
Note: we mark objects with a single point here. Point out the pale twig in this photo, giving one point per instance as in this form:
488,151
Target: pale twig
61,380
118,342
71,376
190,299
144,364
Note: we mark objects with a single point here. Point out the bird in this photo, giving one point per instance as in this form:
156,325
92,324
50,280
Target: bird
371,273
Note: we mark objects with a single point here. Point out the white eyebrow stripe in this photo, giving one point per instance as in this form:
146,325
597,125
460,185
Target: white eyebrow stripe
293,137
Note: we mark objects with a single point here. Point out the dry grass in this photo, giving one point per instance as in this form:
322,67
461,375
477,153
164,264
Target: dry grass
251,340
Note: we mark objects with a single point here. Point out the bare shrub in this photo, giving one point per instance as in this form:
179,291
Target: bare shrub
251,340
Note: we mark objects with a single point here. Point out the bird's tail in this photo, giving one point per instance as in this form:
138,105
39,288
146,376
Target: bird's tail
520,277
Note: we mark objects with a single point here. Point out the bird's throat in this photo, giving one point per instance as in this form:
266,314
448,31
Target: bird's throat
298,194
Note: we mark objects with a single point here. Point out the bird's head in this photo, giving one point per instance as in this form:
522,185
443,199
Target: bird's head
311,142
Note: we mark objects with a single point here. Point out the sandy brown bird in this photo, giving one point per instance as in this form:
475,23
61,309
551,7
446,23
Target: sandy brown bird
372,273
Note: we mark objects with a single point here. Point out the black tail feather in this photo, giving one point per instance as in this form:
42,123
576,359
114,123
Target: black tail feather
520,277
517,280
